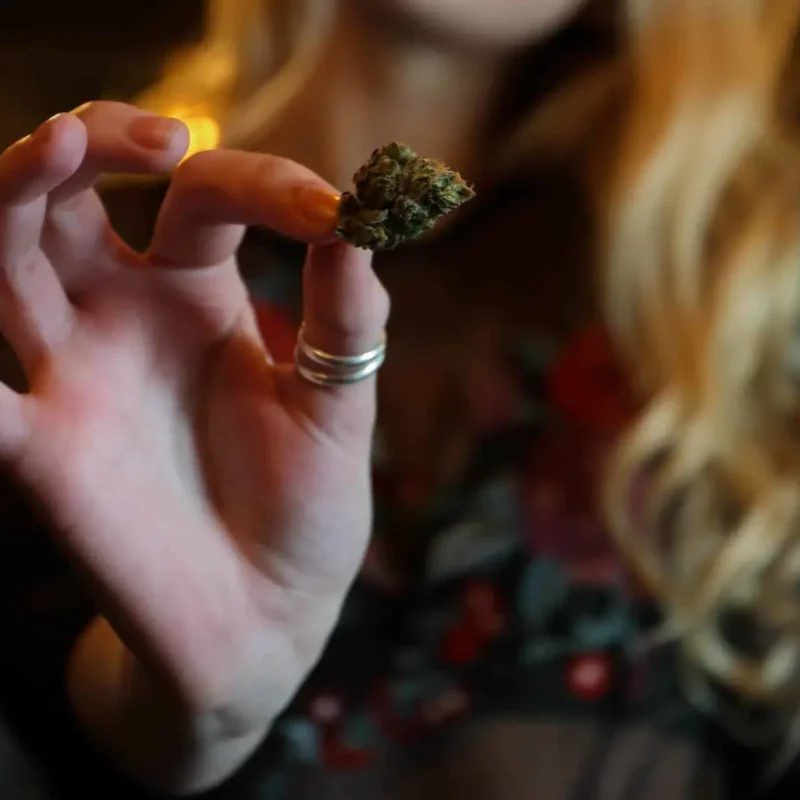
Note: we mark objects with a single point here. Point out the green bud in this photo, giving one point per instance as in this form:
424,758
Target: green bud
398,195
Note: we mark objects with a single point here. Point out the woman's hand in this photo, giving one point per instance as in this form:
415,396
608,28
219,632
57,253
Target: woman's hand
218,503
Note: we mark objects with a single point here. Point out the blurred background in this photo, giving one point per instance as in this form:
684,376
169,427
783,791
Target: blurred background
55,55
506,511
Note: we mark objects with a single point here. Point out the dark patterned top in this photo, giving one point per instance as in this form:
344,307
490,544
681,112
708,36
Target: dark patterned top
520,611
515,665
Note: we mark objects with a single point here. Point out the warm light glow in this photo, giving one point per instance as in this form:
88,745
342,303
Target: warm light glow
204,131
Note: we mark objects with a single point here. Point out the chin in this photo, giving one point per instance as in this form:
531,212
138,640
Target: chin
499,24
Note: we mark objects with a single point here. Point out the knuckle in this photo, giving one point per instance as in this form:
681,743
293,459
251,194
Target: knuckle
352,329
195,171
338,328
94,108
352,324
87,111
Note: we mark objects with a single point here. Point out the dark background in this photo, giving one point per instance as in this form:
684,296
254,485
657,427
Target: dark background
56,55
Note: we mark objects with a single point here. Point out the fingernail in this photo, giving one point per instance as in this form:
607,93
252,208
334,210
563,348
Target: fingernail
153,133
44,132
319,208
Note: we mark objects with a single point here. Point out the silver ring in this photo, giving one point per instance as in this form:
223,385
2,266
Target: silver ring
326,369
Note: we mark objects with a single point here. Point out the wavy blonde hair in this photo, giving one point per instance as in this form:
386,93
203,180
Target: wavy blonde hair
254,58
696,177
701,285
689,142
285,40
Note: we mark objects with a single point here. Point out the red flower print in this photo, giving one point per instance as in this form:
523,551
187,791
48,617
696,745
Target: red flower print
588,384
340,756
462,644
483,609
589,676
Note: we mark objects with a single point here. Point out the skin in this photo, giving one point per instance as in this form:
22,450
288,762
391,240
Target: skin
419,71
218,505
475,24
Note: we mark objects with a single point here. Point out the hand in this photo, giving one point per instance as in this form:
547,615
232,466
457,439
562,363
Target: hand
218,503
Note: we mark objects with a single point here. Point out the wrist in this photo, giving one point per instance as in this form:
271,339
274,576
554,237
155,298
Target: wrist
174,733
145,728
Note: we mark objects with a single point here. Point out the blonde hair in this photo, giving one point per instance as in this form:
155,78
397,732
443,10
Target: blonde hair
697,184
701,285
254,58
287,37
689,143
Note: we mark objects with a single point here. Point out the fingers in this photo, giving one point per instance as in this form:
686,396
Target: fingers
34,311
53,228
215,194
345,310
124,139
120,139
345,307
32,167
14,423
29,170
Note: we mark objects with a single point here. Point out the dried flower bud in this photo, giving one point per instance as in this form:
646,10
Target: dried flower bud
398,195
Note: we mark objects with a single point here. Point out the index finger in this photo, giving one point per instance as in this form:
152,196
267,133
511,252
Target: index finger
215,194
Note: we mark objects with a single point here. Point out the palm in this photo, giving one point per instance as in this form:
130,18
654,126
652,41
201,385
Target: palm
183,441
213,498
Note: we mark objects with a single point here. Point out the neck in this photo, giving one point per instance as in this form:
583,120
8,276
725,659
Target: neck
377,82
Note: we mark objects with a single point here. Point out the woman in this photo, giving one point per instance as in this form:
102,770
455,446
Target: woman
220,506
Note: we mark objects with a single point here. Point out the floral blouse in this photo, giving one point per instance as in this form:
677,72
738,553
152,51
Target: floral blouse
522,626
516,666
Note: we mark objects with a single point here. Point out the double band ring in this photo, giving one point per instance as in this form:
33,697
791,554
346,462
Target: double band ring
326,369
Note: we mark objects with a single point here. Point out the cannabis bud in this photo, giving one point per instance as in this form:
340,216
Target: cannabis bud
398,196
